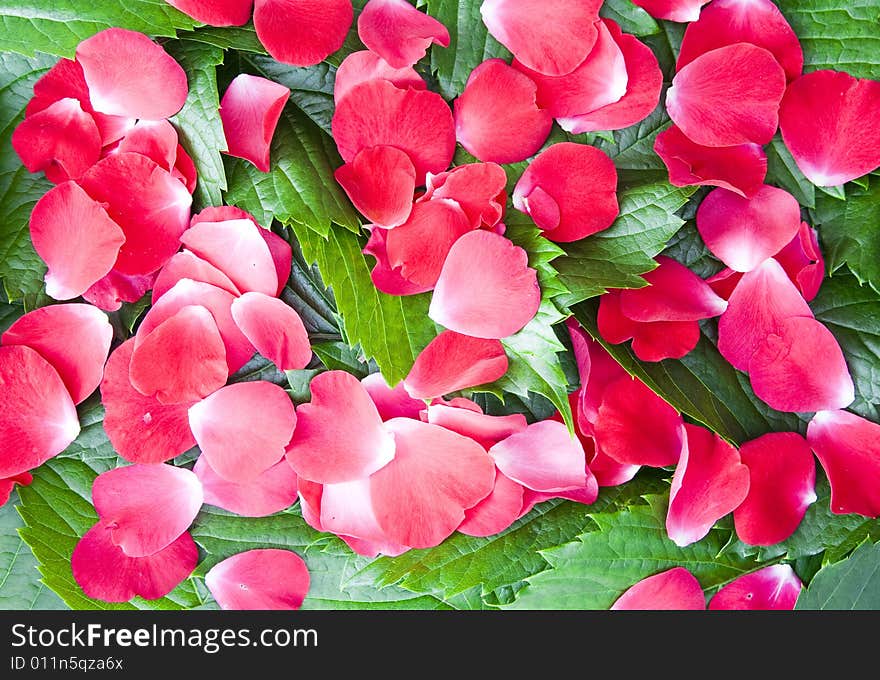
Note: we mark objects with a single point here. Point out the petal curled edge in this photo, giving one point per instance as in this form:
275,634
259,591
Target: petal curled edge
380,181
478,188
274,329
391,402
484,429
359,67
250,109
495,512
675,589
398,32
265,579
302,32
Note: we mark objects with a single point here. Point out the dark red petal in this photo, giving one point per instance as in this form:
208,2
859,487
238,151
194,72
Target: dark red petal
497,118
774,587
598,80
141,429
269,492
8,484
339,435
782,484
386,278
761,301
543,457
62,140
259,579
550,36
643,86
106,573
420,497
830,122
146,507
359,67
243,429
185,169
182,360
743,232
803,261
728,96
486,288
635,426
380,181
274,328
111,291
659,340
453,362
186,265
130,75
673,10
302,32
675,589
709,482
614,326
250,109
478,188
724,282
484,429
495,512
417,122
216,12
580,180
149,205
673,293
74,338
741,168
758,22
391,403
848,447
37,416
76,238
398,32
596,374
800,367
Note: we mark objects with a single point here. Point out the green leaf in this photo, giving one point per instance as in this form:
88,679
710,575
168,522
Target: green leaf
632,19
851,584
57,27
391,329
198,123
20,585
238,38
782,171
633,147
592,571
617,256
21,269
844,36
848,231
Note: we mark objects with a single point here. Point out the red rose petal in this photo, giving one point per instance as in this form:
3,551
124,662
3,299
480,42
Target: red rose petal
800,367
339,435
274,328
155,139
111,291
580,180
391,403
495,512
782,486
484,429
453,362
8,484
259,579
848,447
187,265
417,122
380,182
728,96
550,36
673,10
497,118
709,482
478,188
359,67
661,340
724,282
803,262
743,232
149,205
830,122
38,419
398,32
130,75
302,32
62,140
216,12
614,326
774,587
486,288
740,168
74,338
76,239
106,573
758,22
386,278
182,360
643,86
675,589
271,491
420,497
243,429
250,109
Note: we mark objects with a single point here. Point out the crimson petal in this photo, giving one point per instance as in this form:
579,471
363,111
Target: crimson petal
803,262
302,32
774,587
398,32
386,278
359,67
216,12
274,328
259,579
271,491
675,589
478,188
495,512
380,181
673,293
250,109
672,10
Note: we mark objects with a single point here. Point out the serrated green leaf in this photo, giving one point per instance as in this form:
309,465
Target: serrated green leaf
337,356
782,171
8,314
631,18
198,123
239,38
57,27
21,269
633,147
592,571
851,584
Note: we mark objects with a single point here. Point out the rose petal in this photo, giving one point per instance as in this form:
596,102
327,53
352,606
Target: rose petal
302,32
347,510
672,10
674,589
391,403
484,429
380,181
187,265
543,457
774,587
216,12
250,109
259,579
111,291
614,326
386,278
8,484
274,328
478,188
661,340
398,32
271,491
803,262
359,67
495,512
